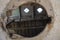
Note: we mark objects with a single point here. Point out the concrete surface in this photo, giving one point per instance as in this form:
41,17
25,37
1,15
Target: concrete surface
54,34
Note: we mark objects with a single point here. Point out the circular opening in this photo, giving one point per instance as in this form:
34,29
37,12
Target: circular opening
33,19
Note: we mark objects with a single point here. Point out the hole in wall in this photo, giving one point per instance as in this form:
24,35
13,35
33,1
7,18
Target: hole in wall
31,22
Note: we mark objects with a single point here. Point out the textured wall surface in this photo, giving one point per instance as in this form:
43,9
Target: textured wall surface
54,34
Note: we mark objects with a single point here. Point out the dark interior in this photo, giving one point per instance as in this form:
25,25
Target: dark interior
32,23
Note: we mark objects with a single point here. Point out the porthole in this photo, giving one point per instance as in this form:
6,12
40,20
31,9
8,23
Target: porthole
33,19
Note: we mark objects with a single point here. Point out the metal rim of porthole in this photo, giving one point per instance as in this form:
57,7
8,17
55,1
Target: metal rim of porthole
47,25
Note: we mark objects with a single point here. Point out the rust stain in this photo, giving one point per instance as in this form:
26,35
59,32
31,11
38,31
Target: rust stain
50,26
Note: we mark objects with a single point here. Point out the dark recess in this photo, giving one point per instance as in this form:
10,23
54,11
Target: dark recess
31,26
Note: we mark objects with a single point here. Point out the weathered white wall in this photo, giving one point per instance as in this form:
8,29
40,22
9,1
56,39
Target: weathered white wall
3,34
54,34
